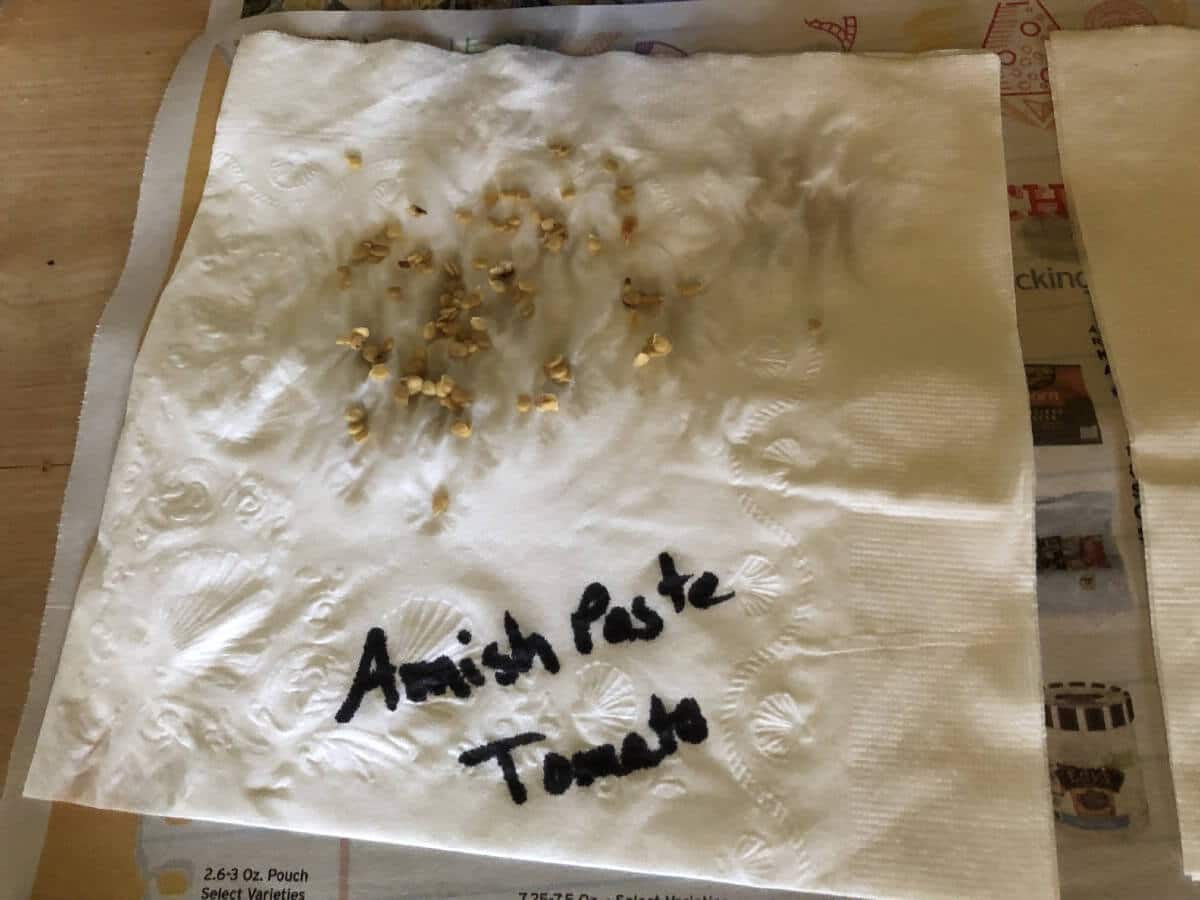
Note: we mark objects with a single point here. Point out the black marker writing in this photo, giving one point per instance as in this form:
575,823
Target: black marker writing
702,593
684,723
375,670
501,751
423,679
619,626
523,649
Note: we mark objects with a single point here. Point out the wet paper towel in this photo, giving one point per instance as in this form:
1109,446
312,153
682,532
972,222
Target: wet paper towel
1129,138
759,610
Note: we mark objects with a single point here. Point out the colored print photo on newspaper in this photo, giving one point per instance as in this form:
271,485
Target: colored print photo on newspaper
1061,409
1079,567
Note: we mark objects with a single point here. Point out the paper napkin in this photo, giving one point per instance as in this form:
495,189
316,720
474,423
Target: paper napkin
683,525
1128,107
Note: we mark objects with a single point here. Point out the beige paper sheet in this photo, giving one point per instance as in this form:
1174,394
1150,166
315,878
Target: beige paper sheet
1128,108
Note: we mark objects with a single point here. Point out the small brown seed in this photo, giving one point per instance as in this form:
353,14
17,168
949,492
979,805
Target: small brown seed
491,198
451,269
567,192
461,429
660,345
361,436
344,276
546,403
514,223
464,216
461,396
458,350
354,159
361,330
524,403
611,164
415,210
429,388
389,344
355,413
559,150
395,293
480,264
379,372
593,244
640,360
421,261
525,286
628,228
413,384
379,250
814,325
430,331
393,230
440,502
526,309
553,234
359,254
689,288
479,323
625,193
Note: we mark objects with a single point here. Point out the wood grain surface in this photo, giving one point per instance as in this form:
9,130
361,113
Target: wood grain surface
80,82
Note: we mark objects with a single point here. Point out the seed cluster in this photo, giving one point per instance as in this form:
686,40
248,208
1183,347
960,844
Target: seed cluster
460,326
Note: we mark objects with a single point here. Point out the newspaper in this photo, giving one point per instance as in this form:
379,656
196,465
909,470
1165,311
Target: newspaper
1109,781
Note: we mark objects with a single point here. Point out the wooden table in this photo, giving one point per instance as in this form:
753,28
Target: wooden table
80,82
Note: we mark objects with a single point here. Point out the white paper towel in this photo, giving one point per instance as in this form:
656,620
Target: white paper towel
840,437
1128,106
